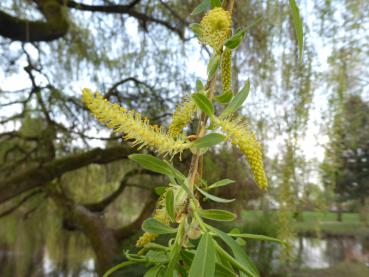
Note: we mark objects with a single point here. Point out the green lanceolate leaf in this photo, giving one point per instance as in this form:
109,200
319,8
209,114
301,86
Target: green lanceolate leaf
225,97
257,237
234,41
238,253
203,264
222,271
220,183
203,6
208,140
153,272
199,85
203,103
237,101
215,3
196,28
152,163
298,26
213,65
154,226
160,190
218,215
169,204
214,198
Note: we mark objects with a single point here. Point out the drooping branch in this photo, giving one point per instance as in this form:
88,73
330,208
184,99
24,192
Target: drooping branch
38,176
101,205
55,26
125,9
92,225
20,203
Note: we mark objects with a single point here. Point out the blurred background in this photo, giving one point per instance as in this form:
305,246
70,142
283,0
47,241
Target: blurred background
71,201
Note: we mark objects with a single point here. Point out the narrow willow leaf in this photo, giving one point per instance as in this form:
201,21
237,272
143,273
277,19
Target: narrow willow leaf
203,264
238,252
187,257
213,65
218,215
215,3
244,271
153,272
208,140
196,28
214,198
203,103
203,6
298,26
237,101
257,237
225,97
154,226
178,174
220,183
169,204
157,257
152,163
234,41
160,190
222,271
199,85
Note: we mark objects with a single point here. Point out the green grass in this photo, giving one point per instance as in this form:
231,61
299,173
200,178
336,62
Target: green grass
310,223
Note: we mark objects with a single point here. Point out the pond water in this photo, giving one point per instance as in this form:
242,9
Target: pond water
75,258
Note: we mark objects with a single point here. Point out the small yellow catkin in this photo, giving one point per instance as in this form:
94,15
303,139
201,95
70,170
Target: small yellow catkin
181,117
131,123
226,67
215,28
240,135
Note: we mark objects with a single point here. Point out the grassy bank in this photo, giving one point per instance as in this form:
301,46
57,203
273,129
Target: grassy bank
309,223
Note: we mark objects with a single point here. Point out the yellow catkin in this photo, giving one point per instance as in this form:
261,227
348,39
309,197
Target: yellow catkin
239,134
215,28
226,67
181,117
132,125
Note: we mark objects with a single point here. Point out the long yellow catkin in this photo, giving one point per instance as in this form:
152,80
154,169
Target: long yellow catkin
132,125
181,117
240,135
226,67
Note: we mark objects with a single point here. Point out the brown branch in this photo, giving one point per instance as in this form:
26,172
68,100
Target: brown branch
101,205
38,176
56,24
20,203
124,9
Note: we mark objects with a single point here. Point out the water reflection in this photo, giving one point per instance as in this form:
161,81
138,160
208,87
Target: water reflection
72,256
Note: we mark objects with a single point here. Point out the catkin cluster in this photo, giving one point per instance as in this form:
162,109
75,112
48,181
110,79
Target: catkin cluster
215,28
226,67
181,117
133,125
240,135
